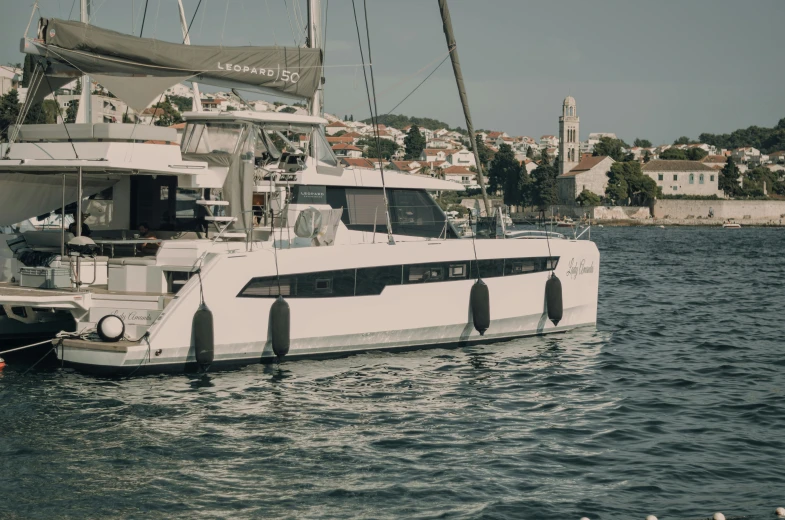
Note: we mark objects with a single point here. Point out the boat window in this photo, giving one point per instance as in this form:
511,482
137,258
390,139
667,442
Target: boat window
373,280
210,137
412,212
417,274
488,268
519,266
325,283
267,287
370,281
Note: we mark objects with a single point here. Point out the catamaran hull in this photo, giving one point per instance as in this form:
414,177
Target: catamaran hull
403,316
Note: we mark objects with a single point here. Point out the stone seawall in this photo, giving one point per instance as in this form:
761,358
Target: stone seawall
750,210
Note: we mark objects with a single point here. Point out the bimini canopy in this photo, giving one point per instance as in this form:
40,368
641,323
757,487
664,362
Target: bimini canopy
138,70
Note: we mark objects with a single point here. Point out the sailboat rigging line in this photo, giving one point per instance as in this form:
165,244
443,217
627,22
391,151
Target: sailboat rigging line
394,86
269,18
419,84
72,9
474,244
289,16
144,16
188,30
374,121
223,29
59,113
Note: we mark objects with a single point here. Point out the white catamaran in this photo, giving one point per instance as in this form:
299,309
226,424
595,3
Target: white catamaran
262,248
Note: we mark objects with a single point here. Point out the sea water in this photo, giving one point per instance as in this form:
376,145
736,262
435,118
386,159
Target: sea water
673,406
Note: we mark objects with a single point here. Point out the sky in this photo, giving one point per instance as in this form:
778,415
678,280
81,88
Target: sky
651,69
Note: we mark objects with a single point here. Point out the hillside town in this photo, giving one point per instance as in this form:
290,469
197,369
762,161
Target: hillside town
582,169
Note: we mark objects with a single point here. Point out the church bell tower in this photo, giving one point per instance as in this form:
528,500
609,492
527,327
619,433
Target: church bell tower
569,136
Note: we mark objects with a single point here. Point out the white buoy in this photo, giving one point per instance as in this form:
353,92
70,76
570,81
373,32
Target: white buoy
718,516
651,517
584,518
780,512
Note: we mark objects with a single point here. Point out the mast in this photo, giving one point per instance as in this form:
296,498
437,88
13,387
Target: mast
85,112
196,104
456,67
314,42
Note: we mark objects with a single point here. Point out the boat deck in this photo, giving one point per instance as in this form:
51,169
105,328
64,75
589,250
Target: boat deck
16,290
119,346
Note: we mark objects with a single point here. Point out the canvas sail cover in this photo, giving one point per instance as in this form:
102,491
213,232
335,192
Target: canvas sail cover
138,70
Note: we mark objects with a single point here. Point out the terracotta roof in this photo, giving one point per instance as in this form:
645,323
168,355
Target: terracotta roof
178,126
676,166
358,162
715,159
586,164
348,147
337,124
153,111
434,151
339,139
353,135
404,165
458,169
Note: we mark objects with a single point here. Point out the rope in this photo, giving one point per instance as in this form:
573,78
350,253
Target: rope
291,26
371,104
419,85
273,25
144,17
59,112
26,346
188,29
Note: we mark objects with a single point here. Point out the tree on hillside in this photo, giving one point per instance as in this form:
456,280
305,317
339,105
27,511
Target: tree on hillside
51,110
628,183
170,115
643,143
673,154
610,147
40,113
759,182
696,154
388,148
483,152
9,111
588,198
646,157
530,152
690,154
545,159
183,104
72,111
505,174
683,140
728,180
616,190
543,186
414,143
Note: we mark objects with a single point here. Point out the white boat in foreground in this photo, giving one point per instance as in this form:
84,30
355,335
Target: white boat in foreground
269,248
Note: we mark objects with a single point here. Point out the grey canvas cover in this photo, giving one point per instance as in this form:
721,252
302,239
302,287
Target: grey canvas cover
147,64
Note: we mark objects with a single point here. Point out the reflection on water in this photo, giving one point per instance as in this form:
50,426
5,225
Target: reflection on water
674,406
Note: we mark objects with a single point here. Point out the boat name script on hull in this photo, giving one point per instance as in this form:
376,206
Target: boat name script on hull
576,268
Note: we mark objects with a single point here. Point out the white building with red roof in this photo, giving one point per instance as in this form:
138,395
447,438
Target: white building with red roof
335,127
